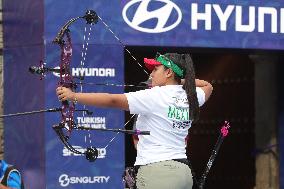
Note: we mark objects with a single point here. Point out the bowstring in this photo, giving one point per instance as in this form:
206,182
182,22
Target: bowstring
112,139
132,56
124,46
86,39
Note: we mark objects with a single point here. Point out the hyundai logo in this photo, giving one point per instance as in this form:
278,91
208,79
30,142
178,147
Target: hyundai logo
152,16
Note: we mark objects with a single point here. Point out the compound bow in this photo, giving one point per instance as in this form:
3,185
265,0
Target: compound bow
67,123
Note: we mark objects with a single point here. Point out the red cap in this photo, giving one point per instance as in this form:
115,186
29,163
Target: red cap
151,63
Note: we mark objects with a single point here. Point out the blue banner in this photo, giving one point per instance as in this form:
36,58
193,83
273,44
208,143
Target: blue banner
222,24
98,62
103,64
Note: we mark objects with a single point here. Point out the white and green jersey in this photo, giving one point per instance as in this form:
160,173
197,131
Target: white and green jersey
164,112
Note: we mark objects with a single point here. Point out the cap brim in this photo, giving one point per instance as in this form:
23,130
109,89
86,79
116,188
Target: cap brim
151,63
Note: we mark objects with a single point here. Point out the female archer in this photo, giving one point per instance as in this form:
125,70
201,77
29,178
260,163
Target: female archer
167,110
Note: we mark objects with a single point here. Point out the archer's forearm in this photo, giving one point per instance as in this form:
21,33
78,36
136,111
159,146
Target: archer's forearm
102,100
205,86
201,83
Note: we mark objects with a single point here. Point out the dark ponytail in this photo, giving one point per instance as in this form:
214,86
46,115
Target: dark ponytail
185,62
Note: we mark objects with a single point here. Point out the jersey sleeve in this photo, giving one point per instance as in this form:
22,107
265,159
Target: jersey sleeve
200,96
14,180
141,102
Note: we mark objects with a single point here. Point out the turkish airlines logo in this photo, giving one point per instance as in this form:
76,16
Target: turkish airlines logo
152,16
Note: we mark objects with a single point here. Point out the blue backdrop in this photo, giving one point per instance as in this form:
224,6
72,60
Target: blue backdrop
218,23
30,27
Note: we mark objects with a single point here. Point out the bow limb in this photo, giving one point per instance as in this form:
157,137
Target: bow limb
90,17
63,39
91,153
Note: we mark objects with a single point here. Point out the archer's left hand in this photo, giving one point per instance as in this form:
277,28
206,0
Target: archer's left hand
64,93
